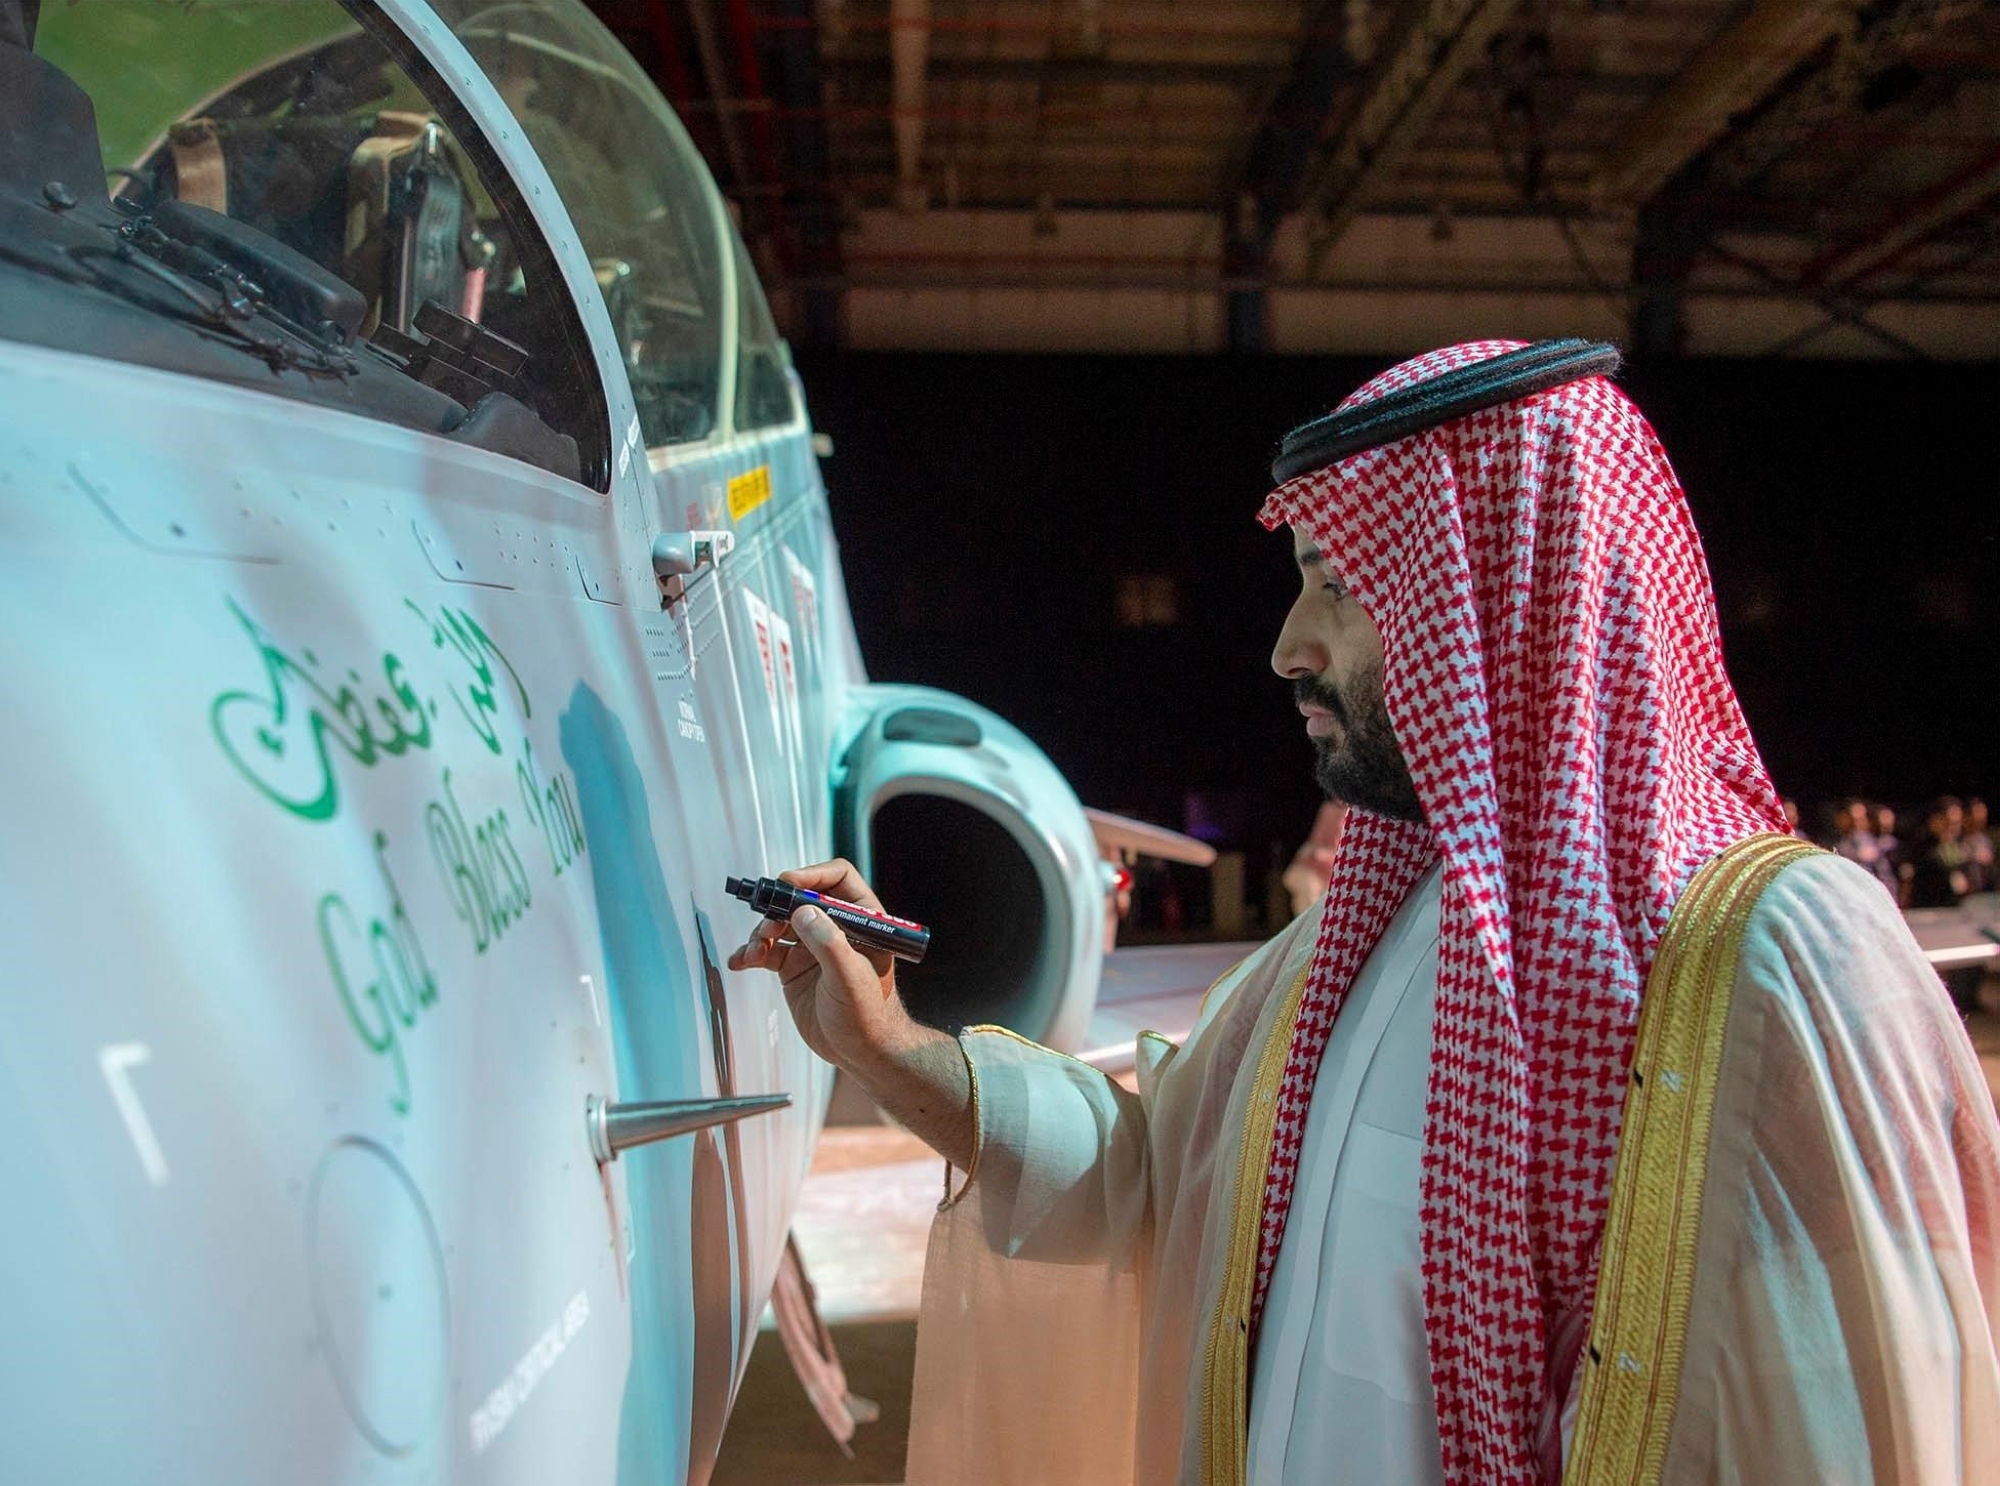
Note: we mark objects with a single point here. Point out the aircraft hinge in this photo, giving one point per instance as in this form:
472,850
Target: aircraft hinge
679,555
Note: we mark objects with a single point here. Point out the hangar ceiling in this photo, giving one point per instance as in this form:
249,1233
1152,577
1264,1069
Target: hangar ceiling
1786,177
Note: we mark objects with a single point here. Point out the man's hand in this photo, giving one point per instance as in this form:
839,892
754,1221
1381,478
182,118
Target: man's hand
842,998
845,1004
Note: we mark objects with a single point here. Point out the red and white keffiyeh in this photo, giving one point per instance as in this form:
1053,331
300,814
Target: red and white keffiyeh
1554,675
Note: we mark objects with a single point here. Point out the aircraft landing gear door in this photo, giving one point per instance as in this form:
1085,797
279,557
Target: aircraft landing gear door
961,823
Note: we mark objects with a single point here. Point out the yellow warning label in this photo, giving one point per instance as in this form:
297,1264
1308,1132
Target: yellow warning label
748,492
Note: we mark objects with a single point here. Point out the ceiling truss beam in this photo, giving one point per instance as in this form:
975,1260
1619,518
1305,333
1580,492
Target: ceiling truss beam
811,211
909,59
1736,70
1908,227
1436,44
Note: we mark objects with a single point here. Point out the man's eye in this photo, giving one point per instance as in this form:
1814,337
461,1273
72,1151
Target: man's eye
1335,587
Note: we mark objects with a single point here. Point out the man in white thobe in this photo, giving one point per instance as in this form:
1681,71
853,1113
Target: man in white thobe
1590,1129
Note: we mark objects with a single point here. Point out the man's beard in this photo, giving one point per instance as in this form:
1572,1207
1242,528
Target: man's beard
1362,764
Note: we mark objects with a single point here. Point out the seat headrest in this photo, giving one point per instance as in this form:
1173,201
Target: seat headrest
48,129
17,23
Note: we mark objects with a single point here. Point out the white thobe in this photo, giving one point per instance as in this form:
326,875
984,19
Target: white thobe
1340,1386
1846,1294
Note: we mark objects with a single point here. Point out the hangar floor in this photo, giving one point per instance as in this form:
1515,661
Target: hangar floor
862,1224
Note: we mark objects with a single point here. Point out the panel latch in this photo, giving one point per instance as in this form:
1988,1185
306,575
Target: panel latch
678,555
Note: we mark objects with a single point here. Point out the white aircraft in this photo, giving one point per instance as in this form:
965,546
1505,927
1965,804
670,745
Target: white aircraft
423,596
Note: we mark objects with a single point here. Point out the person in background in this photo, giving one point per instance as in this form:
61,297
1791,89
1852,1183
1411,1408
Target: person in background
1855,839
1935,875
1845,830
1892,848
1978,848
1311,868
1791,808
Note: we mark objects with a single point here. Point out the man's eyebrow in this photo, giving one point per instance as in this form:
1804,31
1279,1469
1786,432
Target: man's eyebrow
1309,557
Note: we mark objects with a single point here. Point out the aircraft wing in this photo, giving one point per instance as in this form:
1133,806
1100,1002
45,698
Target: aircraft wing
1159,987
1153,988
1958,938
1120,833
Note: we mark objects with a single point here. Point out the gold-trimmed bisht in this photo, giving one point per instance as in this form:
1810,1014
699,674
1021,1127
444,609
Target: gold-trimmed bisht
1225,1379
1631,1377
1645,1280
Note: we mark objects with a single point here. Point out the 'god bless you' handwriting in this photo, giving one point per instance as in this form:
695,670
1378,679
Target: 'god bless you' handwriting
481,869
473,646
286,737
282,738
380,973
552,807
382,976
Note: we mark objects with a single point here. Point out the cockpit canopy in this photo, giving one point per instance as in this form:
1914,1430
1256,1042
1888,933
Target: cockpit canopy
285,194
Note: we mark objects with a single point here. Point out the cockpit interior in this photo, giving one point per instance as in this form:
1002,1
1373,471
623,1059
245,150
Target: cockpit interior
287,195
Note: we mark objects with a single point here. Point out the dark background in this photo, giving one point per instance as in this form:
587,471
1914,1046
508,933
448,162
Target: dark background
987,507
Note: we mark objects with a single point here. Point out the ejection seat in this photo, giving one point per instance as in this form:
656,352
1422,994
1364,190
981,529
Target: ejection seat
380,200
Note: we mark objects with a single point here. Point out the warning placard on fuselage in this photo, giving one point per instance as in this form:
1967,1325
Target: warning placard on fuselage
749,491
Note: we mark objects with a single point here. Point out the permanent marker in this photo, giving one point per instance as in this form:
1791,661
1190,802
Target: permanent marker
778,900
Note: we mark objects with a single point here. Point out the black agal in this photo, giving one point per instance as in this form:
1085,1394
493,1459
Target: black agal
1465,389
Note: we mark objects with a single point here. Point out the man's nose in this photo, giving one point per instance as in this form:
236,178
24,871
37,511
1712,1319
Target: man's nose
1298,651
